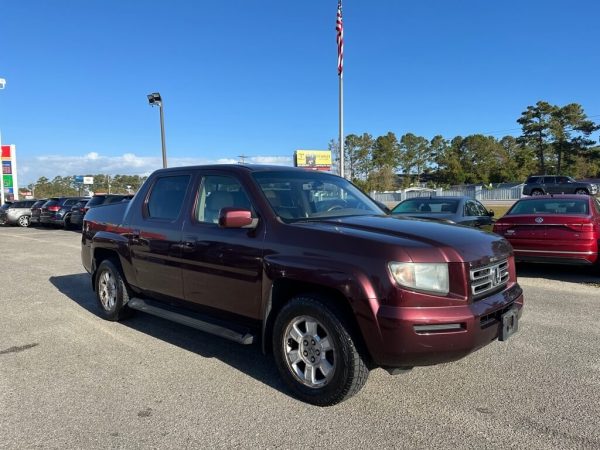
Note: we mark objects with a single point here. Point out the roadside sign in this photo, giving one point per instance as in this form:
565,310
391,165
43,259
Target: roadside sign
88,180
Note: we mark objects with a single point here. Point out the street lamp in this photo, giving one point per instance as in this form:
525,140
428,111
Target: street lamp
155,99
2,86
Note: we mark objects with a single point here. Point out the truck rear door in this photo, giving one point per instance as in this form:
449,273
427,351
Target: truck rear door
155,242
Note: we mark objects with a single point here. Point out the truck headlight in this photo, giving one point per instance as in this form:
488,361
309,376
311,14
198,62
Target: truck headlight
431,277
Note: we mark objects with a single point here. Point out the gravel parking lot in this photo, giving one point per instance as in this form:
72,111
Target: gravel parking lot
71,379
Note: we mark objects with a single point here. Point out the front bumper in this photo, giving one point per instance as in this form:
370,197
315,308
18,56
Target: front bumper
413,336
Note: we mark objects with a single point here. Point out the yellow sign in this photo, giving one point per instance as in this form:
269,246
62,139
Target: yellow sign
319,159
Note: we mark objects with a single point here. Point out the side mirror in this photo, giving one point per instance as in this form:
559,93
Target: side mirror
232,217
491,212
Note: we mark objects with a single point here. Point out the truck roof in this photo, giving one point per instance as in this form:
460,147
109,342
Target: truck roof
238,168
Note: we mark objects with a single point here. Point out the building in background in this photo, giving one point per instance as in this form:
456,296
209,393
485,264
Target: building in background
8,184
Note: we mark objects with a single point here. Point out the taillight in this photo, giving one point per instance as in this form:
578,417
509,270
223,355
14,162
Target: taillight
54,208
82,210
581,227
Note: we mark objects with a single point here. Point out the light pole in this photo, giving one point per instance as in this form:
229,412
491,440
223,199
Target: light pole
2,86
155,99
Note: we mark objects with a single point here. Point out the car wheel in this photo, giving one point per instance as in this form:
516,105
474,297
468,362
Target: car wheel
111,291
537,192
581,192
315,352
23,221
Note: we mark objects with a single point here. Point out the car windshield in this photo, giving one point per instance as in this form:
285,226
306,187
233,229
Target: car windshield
550,206
302,195
427,206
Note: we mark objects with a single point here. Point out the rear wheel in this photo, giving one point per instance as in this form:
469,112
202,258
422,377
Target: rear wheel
537,192
23,221
315,353
111,291
581,191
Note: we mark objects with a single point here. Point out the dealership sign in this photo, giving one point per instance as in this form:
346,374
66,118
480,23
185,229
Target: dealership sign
8,184
313,159
84,180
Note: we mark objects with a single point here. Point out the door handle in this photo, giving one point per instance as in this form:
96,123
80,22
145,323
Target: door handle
186,246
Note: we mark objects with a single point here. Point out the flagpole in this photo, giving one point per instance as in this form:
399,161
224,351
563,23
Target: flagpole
339,27
341,119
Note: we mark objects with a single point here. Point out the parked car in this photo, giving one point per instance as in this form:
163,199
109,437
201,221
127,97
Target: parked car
555,184
460,210
306,263
18,213
57,211
36,210
553,229
80,208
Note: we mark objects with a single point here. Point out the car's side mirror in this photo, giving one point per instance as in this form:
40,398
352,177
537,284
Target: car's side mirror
491,212
231,217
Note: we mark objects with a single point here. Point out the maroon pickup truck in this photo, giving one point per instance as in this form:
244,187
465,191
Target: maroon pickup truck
306,264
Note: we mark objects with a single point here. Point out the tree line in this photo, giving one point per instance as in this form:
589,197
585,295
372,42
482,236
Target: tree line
554,140
67,186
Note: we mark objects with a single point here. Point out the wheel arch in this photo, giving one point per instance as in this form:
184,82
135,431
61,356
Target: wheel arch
284,289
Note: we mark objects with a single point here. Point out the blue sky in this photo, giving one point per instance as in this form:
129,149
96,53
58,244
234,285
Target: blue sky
258,77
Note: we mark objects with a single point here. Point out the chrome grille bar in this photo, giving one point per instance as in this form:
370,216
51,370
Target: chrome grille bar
488,278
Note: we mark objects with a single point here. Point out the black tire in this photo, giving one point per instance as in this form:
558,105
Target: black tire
581,191
67,223
112,310
537,192
348,373
23,221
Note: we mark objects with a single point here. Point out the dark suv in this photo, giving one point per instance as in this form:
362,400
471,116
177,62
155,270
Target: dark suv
57,211
80,208
36,211
554,184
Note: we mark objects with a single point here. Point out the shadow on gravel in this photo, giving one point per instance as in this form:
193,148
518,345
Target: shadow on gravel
248,359
589,275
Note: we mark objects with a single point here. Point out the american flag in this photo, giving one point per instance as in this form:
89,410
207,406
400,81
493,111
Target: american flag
339,27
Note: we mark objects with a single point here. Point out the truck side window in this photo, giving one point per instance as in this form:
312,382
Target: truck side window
217,192
166,198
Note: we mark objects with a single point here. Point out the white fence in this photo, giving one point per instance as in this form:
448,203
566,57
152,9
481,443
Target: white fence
477,192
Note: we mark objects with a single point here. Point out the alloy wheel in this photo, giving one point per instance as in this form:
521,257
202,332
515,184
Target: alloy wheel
107,290
310,353
24,221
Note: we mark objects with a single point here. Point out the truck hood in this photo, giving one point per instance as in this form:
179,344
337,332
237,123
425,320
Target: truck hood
439,217
420,240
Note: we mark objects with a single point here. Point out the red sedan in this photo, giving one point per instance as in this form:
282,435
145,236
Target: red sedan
554,229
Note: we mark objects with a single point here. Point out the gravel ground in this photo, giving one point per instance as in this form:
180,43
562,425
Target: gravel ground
71,379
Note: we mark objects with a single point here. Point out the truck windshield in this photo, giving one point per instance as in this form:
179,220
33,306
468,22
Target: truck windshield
301,195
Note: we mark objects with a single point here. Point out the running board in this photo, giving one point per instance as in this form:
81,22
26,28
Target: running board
227,333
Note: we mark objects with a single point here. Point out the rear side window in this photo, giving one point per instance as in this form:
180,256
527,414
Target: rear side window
166,198
70,202
533,180
549,180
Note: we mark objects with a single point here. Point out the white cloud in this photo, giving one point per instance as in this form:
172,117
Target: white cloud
127,164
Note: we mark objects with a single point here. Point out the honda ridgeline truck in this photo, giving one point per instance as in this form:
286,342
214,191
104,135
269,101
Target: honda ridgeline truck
306,264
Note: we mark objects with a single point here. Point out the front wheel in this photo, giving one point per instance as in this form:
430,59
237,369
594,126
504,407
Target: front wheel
581,192
111,291
315,353
23,221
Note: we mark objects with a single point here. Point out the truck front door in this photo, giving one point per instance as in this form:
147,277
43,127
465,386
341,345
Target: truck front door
222,266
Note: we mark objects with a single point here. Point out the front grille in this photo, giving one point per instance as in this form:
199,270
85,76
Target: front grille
489,278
